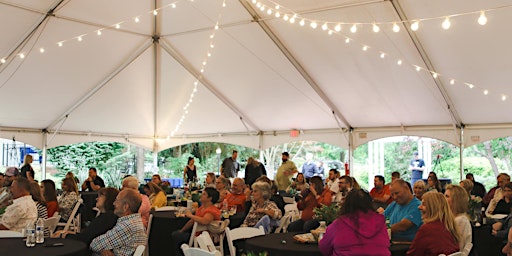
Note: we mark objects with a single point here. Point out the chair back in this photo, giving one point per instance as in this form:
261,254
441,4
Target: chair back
188,251
205,242
10,233
241,233
196,228
72,221
51,223
283,225
139,251
148,232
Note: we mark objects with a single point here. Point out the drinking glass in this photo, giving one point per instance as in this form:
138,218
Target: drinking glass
232,210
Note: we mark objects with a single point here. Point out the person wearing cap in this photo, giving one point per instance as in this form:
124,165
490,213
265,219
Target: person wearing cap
417,166
5,192
285,172
23,210
230,167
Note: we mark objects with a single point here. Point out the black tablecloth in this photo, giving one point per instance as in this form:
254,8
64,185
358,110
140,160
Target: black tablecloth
160,240
399,249
273,244
16,246
485,244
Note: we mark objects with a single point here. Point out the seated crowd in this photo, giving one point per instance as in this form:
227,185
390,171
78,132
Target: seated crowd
432,218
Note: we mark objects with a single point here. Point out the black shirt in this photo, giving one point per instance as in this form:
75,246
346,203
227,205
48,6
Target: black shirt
99,226
97,181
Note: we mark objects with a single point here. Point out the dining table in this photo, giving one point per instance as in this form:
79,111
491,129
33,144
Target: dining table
50,247
162,225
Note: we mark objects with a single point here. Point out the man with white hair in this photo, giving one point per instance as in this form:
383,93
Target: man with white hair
131,182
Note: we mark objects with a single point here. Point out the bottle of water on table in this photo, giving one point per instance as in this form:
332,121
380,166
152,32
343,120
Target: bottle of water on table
40,231
31,238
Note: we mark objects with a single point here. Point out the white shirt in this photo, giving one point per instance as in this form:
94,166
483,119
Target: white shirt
465,235
333,186
17,215
498,195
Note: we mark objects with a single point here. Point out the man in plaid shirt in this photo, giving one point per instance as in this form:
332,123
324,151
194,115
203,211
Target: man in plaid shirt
128,233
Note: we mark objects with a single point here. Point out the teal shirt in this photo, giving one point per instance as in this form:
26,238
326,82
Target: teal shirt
396,213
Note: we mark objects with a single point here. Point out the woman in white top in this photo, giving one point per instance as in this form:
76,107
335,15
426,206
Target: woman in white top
458,200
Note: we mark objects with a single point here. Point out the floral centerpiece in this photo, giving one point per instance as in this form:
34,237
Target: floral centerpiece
327,213
474,207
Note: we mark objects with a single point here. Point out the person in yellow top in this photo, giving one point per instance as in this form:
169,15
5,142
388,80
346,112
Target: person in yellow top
285,172
157,196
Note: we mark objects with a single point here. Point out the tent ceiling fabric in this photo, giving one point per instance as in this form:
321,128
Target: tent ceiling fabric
264,78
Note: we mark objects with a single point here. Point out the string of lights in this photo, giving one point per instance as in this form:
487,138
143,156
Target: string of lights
335,27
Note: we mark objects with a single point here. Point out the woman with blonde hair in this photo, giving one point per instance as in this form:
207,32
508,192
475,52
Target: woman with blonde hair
419,189
438,234
157,196
467,184
68,198
458,200
26,169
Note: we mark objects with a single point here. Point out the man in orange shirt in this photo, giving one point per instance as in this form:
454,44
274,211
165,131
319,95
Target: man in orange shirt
380,193
237,196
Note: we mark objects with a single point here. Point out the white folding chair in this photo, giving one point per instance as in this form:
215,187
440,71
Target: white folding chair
292,210
196,228
74,219
10,233
241,233
283,225
205,242
51,224
139,251
195,251
148,232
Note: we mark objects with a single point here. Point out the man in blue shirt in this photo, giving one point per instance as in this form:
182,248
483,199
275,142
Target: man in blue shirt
417,166
403,213
309,168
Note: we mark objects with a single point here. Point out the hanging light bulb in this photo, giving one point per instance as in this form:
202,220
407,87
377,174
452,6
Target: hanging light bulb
415,25
22,55
313,24
269,11
399,62
155,12
224,4
382,55
503,97
292,20
118,26
136,19
209,54
353,29
262,8
347,40
258,5
41,50
3,60
486,92
277,7
79,39
418,68
471,86
324,26
216,26
254,1
434,75
173,5
212,36
446,23
482,20
452,81
302,23
375,28
98,32
365,48
60,44
278,14
396,28
285,17
337,28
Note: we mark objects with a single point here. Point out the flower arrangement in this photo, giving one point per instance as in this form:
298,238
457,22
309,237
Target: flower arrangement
327,213
474,207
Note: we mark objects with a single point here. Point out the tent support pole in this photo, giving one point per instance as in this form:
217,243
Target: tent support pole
350,151
461,150
45,154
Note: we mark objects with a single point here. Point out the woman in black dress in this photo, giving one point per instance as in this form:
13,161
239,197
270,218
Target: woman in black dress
26,168
190,171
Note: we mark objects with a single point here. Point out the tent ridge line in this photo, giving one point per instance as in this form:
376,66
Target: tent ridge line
104,82
296,64
426,60
188,66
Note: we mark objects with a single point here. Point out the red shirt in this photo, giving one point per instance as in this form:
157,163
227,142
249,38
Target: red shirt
52,207
379,194
310,202
201,211
236,200
433,239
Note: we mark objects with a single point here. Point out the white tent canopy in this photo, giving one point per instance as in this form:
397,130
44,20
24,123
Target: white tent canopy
265,77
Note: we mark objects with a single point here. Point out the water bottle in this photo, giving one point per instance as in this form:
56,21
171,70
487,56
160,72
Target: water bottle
40,231
31,238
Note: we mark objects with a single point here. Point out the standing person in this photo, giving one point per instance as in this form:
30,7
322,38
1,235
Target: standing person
93,182
380,193
50,196
253,170
417,166
26,170
403,214
309,168
190,171
230,167
438,235
478,188
68,198
458,200
22,211
358,230
128,233
285,172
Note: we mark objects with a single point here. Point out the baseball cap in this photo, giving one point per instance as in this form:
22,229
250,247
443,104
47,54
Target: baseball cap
11,171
